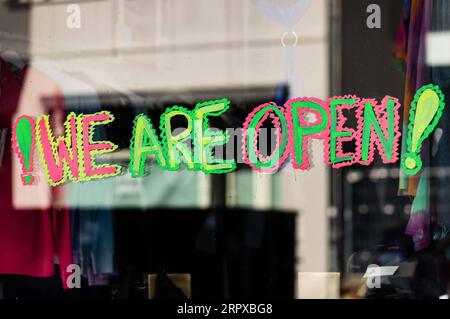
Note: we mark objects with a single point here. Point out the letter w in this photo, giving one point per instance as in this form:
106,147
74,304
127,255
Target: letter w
59,155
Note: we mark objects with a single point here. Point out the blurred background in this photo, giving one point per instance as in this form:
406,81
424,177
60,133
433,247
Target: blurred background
319,233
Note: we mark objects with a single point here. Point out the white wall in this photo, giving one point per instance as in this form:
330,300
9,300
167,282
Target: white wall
162,44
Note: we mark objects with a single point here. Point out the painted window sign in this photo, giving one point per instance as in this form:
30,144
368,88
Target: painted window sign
71,157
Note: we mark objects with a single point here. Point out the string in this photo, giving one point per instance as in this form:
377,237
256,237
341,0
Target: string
288,16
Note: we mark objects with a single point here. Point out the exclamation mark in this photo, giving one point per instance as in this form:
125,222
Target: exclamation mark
23,137
426,111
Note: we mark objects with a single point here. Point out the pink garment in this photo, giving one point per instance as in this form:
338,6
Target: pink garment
30,238
39,95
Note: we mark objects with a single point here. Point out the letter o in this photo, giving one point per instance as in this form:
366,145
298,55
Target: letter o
250,134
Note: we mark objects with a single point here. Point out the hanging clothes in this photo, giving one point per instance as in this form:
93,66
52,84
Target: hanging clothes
440,159
91,225
410,48
33,231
